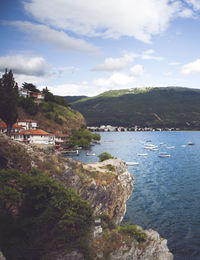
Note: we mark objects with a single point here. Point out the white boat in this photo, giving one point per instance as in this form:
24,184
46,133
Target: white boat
153,149
183,145
163,155
170,147
132,163
142,154
190,143
90,154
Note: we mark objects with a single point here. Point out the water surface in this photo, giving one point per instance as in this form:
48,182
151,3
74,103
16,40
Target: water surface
166,195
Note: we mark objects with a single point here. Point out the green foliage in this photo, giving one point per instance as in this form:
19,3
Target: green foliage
107,222
29,105
8,100
104,156
156,107
134,231
58,120
46,107
81,137
30,87
39,216
96,137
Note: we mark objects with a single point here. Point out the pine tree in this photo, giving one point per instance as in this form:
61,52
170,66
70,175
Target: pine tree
8,100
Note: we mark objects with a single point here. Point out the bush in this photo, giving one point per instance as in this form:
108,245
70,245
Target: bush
96,137
28,105
105,156
46,107
58,120
134,231
81,137
39,216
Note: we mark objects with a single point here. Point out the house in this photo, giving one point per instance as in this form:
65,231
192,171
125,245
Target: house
15,128
37,95
61,138
27,123
24,92
34,136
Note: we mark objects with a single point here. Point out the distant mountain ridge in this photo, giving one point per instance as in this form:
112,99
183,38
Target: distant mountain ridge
153,107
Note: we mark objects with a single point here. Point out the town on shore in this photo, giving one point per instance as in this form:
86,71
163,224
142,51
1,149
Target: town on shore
109,128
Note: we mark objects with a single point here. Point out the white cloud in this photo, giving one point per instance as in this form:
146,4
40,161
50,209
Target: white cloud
140,19
115,64
148,55
192,67
24,65
136,71
54,37
116,79
194,3
186,13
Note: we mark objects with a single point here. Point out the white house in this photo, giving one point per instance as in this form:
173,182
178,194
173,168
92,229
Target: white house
61,138
34,136
27,124
24,92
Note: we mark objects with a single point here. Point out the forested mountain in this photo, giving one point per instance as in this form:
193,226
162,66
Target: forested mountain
155,107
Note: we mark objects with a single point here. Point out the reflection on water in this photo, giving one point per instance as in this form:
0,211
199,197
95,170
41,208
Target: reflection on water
166,196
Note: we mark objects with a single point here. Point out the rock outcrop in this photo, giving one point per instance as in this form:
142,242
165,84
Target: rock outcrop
155,248
107,185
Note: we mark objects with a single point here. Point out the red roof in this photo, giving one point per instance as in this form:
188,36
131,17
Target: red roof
34,132
3,125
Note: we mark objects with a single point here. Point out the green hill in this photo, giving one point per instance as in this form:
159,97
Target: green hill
71,99
155,107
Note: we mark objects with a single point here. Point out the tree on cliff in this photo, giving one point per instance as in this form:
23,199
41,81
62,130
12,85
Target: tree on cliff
8,99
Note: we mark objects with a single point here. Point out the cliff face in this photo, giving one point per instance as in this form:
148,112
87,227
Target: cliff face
107,185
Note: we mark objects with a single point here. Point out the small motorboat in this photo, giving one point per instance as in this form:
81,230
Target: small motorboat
132,163
170,147
164,155
142,154
90,154
190,143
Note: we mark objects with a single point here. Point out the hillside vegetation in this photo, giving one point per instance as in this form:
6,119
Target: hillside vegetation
154,107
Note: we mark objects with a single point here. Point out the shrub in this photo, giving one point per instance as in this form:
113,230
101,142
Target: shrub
28,105
46,107
81,137
96,137
58,120
134,231
39,216
104,156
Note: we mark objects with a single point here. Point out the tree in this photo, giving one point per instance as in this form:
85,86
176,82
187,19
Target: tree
8,100
30,87
105,156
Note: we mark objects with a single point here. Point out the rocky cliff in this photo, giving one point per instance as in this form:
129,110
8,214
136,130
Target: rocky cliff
107,186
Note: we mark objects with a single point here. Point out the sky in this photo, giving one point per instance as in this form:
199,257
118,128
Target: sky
77,47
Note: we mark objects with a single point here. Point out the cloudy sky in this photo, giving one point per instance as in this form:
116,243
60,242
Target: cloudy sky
77,47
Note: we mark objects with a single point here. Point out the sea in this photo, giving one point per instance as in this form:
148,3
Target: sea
166,195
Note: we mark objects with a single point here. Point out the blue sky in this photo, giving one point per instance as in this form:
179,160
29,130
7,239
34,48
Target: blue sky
77,47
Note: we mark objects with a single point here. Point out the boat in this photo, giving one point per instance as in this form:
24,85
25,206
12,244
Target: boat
183,145
170,147
153,149
132,163
90,154
164,155
190,143
142,154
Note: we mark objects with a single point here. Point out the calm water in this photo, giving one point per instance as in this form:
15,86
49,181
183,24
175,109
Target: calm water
166,196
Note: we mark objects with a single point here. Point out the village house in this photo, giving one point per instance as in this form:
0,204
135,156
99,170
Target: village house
15,128
34,136
27,93
61,138
27,124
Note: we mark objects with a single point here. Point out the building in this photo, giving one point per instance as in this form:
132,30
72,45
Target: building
27,123
24,92
61,138
34,136
37,95
15,128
